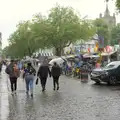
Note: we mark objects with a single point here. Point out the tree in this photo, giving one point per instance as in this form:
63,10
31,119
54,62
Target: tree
57,30
66,28
118,5
61,28
115,35
9,51
25,40
102,30
22,40
42,31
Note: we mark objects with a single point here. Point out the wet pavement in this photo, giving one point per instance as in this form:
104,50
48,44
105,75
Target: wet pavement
74,101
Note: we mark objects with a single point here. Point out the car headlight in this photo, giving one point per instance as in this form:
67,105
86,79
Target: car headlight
106,73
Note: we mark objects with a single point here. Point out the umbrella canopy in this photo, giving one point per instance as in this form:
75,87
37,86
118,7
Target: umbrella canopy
90,56
59,61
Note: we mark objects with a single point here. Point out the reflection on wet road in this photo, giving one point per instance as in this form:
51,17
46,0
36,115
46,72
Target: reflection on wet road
4,106
74,101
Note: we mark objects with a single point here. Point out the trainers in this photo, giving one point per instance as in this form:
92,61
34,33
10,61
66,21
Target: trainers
15,92
31,95
43,90
57,88
27,92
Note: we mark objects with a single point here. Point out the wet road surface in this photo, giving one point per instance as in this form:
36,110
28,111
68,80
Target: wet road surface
74,101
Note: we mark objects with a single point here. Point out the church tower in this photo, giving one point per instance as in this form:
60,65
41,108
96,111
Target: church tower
110,20
107,12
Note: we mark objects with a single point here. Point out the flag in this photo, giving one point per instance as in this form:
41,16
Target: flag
101,41
88,50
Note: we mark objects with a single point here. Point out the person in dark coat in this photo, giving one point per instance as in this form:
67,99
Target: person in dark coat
43,74
55,72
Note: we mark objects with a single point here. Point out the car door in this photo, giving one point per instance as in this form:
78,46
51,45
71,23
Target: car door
118,73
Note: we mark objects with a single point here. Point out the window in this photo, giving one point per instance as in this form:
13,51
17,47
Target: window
109,66
118,69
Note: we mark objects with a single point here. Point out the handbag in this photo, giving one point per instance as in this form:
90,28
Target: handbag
36,81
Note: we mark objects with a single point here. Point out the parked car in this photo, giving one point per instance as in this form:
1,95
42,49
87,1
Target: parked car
109,74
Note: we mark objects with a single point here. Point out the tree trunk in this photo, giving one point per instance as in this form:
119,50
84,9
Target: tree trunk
58,51
29,52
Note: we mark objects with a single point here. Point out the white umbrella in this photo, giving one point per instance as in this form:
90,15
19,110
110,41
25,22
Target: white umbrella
59,61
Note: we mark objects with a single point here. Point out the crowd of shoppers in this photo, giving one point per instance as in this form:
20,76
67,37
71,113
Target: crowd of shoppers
14,70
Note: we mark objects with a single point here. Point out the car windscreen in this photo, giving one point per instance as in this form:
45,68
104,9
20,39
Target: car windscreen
109,66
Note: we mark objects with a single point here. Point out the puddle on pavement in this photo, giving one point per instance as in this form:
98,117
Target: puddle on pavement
4,104
4,109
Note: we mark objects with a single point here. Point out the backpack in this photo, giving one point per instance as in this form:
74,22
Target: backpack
30,70
16,72
12,71
7,70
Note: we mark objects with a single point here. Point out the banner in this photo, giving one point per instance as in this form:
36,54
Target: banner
109,49
101,41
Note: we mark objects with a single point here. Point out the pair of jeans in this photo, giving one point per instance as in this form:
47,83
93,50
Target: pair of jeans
56,81
29,83
13,82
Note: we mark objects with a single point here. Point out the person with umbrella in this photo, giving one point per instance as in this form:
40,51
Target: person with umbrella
43,74
55,72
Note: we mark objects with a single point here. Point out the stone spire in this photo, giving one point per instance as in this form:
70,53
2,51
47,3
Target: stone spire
110,20
107,12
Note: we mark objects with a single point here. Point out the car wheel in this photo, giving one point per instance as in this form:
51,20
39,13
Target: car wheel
97,82
112,80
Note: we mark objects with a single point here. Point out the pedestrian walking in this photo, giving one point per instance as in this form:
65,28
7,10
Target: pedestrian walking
13,72
43,74
29,78
55,72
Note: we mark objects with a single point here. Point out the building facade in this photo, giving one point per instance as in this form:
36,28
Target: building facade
81,46
110,20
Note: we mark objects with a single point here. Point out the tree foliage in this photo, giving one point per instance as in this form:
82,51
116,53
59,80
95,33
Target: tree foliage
57,30
115,35
102,29
118,4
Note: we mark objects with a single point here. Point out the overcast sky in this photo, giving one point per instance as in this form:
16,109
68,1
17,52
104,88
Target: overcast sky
13,11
